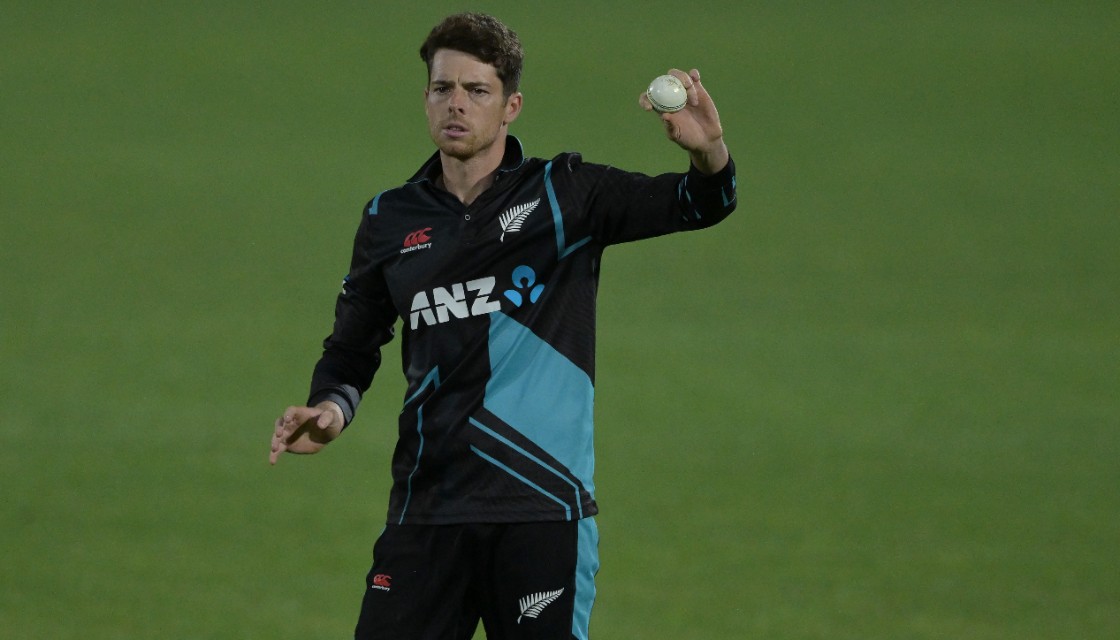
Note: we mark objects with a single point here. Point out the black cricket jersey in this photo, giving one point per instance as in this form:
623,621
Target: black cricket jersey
497,305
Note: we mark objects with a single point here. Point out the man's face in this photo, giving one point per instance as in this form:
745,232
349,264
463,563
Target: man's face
467,111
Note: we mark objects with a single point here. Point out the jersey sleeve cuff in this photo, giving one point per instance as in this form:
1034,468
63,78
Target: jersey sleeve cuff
712,182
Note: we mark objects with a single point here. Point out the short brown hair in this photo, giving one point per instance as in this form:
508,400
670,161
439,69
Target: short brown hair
482,36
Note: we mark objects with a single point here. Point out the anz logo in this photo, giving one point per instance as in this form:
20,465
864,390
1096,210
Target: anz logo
472,298
446,303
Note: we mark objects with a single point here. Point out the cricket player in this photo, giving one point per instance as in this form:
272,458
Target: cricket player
489,260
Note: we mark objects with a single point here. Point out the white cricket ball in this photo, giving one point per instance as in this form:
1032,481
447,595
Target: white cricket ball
667,94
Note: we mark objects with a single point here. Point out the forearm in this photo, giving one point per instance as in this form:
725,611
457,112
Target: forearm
341,377
626,206
352,353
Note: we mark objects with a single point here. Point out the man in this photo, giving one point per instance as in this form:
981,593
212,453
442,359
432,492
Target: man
490,260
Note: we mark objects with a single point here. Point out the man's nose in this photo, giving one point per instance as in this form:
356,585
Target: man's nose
458,100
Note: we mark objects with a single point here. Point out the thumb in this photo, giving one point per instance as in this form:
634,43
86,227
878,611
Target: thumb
329,417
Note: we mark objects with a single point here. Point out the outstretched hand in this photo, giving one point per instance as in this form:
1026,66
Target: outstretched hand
696,127
305,429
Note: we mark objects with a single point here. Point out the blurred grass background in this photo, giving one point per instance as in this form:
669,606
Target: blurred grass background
878,402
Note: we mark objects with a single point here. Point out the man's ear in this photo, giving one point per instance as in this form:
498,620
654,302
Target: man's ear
513,108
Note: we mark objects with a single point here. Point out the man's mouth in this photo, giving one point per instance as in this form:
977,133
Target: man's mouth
454,130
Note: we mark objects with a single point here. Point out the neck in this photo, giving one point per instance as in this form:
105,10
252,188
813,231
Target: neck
466,179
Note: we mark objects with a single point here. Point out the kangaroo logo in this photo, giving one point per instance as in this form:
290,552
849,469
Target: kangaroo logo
524,279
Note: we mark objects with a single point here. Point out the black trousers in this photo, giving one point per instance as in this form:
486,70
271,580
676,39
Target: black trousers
525,581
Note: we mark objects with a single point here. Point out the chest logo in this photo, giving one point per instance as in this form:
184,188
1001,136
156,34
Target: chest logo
417,240
512,219
460,300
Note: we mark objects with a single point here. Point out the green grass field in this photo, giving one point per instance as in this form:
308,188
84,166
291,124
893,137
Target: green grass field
882,401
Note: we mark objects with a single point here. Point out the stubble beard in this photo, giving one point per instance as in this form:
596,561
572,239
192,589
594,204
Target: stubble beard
465,149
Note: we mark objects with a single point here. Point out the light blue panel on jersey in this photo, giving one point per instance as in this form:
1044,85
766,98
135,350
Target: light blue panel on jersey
587,565
563,249
431,379
539,392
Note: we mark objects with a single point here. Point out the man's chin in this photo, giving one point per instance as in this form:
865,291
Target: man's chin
457,149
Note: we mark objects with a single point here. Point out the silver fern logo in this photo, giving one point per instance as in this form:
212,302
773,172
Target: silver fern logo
512,220
533,605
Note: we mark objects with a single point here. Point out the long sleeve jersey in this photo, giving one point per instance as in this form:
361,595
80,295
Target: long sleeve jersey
496,300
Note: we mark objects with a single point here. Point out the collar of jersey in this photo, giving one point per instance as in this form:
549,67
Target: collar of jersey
512,160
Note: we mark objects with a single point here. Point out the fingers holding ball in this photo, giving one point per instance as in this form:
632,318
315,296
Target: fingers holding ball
672,91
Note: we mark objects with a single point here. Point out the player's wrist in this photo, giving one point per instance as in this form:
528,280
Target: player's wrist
711,159
339,418
346,398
